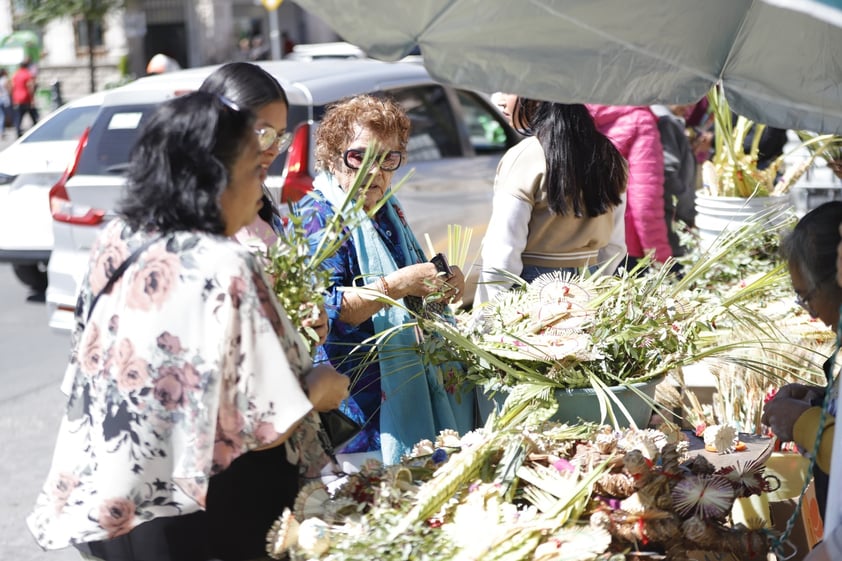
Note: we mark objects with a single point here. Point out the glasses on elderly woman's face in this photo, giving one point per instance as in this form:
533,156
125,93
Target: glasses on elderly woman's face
267,137
804,300
386,161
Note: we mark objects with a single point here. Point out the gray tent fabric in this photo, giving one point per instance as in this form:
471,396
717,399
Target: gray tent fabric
779,61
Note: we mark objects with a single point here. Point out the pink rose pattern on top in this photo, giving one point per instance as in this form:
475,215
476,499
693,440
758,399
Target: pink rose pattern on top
148,371
152,285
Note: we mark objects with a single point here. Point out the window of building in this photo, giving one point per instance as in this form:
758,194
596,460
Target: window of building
80,32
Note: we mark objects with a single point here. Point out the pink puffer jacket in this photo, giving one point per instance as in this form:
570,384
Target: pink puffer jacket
634,131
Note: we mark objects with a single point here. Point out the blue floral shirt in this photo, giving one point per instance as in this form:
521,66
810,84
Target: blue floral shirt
364,404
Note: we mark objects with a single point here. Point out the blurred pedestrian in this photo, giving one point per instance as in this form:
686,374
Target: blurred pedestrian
161,63
259,49
287,43
5,100
23,95
679,173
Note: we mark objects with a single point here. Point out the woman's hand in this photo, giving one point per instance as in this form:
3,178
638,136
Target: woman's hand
423,279
789,403
317,321
326,387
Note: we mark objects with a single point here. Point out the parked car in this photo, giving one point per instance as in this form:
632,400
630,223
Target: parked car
28,168
321,51
456,140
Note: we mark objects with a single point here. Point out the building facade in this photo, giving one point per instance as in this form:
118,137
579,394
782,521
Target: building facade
193,32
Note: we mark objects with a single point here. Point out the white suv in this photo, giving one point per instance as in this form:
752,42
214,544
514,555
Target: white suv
456,140
28,168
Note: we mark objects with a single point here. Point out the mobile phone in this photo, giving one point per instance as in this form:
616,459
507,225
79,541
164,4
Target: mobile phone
440,261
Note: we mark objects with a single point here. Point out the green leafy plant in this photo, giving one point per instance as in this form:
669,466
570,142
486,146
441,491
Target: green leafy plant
596,331
733,172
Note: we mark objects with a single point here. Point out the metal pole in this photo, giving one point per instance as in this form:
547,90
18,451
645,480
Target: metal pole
274,35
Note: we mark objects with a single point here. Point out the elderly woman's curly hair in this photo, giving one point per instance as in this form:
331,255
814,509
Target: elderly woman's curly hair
381,115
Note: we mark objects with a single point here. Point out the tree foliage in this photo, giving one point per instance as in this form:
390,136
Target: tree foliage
41,12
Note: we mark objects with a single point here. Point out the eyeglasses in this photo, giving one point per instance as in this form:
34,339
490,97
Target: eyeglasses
268,136
803,300
387,161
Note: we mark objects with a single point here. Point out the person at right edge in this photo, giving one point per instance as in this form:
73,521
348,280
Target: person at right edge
793,414
830,548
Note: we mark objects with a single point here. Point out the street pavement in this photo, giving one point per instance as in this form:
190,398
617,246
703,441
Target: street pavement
32,361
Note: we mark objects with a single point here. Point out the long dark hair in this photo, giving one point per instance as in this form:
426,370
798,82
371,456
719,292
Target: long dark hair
811,246
584,169
246,84
250,87
181,164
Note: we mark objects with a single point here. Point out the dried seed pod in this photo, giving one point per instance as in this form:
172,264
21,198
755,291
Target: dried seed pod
636,464
699,465
619,485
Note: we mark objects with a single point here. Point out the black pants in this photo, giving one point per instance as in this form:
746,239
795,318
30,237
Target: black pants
242,503
20,110
177,538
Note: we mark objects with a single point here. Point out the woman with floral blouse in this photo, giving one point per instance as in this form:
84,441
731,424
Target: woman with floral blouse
187,362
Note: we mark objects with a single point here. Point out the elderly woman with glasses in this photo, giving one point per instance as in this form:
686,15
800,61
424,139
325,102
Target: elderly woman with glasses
795,411
400,394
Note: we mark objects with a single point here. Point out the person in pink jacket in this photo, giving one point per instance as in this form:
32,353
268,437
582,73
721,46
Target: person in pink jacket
634,131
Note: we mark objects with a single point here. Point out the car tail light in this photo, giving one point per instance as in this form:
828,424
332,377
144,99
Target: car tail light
298,181
60,206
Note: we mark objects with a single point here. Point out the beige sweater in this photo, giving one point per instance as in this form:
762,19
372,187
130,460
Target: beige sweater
523,231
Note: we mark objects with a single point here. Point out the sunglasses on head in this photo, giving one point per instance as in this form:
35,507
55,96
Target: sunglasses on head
386,161
267,137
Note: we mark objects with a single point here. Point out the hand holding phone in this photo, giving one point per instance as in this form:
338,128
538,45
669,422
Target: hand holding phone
442,266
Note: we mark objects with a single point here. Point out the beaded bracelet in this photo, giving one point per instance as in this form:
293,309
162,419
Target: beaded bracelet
384,286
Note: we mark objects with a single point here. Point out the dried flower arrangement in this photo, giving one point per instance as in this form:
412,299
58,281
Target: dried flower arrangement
528,491
597,331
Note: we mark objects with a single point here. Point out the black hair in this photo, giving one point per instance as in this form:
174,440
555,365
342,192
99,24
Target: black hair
250,87
811,246
584,169
181,164
246,84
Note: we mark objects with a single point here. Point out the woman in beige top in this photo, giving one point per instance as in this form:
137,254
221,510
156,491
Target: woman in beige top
554,195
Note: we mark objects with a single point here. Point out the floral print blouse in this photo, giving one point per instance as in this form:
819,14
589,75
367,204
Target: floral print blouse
186,364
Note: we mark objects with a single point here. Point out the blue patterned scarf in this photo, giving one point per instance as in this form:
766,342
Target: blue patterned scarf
415,404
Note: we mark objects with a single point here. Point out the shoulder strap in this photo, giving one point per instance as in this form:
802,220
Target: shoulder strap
118,272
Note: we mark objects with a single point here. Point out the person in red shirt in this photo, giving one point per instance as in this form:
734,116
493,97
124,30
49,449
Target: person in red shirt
23,95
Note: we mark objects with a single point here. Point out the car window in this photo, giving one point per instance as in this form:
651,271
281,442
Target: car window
433,134
111,139
68,124
486,131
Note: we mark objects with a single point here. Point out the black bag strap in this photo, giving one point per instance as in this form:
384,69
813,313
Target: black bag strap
118,272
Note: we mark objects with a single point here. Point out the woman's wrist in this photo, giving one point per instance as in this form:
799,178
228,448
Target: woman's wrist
384,288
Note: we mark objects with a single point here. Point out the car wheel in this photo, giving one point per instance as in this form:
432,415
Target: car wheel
33,275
